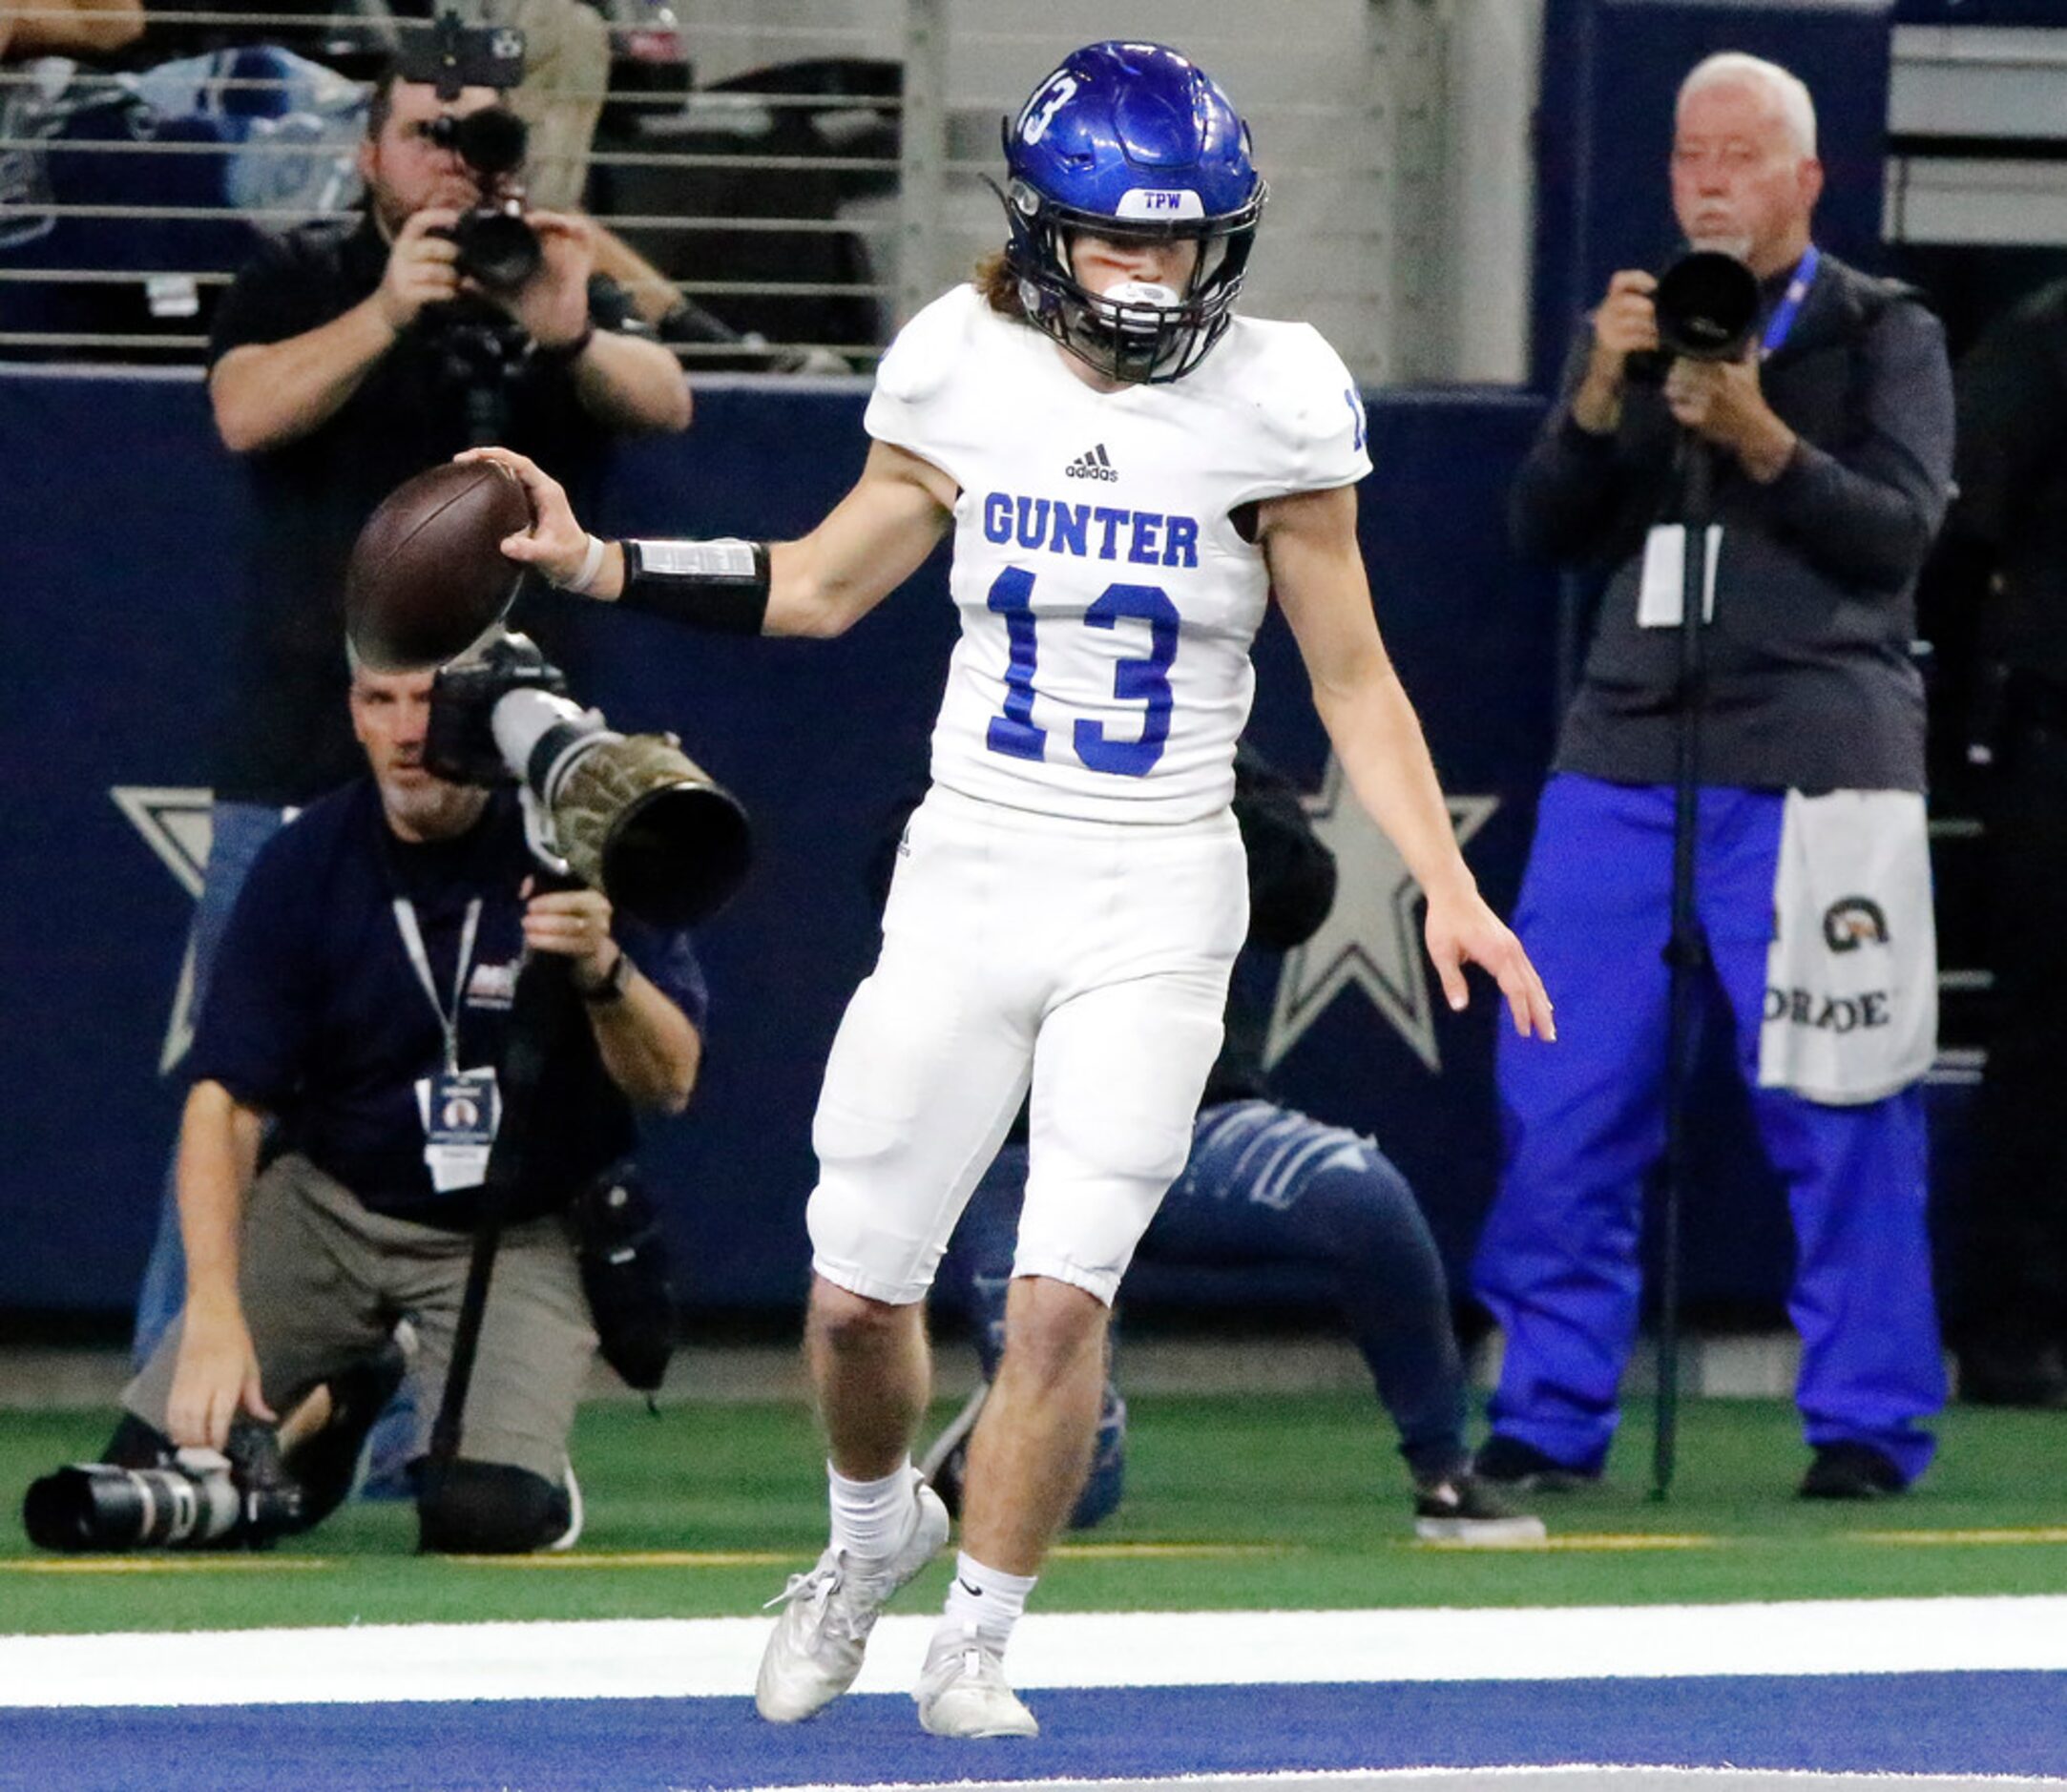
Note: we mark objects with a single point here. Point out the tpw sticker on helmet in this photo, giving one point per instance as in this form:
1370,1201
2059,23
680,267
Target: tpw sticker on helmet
1154,202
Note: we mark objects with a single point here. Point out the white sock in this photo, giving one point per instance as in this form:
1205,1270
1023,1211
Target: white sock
987,1598
872,1518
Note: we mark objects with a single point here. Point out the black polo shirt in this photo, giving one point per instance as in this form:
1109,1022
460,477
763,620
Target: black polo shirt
315,1013
288,739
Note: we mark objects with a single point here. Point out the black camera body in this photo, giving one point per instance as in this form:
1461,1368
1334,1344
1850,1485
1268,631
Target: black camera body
238,1498
497,247
459,741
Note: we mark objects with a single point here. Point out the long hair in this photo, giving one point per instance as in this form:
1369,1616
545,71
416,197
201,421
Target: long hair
999,285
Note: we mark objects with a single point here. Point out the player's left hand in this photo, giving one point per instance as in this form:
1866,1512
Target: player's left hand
552,305
1463,931
572,924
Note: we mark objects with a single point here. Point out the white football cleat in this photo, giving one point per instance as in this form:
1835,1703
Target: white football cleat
962,1690
816,1649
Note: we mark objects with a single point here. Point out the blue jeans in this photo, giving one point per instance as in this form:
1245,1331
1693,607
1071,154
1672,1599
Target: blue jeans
1584,1127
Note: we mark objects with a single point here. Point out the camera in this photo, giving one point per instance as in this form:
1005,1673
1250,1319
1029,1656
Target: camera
496,247
1707,306
236,1497
630,815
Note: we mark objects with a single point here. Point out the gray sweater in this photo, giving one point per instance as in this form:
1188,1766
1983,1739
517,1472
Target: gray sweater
1809,685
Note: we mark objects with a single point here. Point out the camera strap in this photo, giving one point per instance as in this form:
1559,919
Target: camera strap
1781,325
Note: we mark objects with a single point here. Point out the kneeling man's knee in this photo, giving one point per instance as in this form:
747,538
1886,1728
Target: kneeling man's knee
488,1509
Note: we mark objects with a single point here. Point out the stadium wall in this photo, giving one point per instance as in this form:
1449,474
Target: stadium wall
124,520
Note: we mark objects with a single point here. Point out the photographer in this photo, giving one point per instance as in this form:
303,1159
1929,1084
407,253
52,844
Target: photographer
346,359
362,1001
382,286
1828,435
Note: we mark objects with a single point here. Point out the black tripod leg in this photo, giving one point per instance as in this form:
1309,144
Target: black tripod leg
1685,951
541,1006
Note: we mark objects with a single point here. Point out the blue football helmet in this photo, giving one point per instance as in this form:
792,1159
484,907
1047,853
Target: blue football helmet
1126,141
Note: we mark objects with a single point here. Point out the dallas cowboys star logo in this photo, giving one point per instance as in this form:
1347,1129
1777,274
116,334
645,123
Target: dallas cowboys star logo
1371,939
177,826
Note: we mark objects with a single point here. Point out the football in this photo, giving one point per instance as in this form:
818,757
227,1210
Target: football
427,572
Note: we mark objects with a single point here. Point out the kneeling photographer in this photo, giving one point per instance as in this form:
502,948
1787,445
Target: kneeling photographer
340,363
367,999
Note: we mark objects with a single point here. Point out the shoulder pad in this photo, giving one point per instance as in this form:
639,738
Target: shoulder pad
927,351
1308,397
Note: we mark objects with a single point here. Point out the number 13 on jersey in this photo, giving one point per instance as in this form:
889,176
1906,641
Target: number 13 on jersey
1145,681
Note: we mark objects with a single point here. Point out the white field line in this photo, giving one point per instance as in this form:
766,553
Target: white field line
705,1657
1584,1773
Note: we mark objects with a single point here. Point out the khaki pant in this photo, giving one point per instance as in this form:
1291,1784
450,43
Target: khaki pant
323,1281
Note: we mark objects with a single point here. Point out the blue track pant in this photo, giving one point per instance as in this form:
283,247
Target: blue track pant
1584,1127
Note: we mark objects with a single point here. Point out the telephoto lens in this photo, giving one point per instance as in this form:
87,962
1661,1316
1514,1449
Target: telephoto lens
1707,305
96,1506
200,1499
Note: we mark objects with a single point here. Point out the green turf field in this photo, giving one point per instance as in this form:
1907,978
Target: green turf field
1234,1501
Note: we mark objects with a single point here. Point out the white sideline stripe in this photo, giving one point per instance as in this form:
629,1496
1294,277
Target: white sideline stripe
1364,1778
714,1658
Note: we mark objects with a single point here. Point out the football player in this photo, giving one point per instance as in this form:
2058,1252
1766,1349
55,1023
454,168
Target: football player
1130,469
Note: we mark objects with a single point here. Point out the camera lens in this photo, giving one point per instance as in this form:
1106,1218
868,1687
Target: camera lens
1707,303
491,141
96,1505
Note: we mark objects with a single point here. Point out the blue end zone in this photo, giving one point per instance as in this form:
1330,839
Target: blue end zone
1966,1723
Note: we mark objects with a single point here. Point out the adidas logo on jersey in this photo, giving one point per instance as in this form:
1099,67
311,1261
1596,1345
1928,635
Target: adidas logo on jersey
1095,465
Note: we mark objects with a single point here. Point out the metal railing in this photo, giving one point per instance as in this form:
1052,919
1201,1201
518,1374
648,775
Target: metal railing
808,216
113,211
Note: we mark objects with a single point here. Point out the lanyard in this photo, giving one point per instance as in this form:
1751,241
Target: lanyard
1782,322
413,943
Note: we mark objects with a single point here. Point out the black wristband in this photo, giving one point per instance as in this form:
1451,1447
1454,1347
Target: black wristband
717,585
566,354
609,987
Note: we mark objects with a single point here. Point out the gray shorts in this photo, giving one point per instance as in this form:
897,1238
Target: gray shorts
324,1283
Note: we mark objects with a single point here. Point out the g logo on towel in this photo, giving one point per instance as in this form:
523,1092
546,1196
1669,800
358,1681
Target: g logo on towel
1851,922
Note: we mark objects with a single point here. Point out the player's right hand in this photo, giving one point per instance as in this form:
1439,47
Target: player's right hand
423,268
1626,322
215,1374
556,543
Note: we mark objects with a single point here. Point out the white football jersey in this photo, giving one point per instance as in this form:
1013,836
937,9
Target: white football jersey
1107,602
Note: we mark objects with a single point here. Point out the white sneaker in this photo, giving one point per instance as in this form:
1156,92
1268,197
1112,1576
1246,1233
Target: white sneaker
962,1690
572,1536
816,1649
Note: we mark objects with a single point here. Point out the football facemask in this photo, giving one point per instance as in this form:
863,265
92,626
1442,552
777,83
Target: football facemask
1130,142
